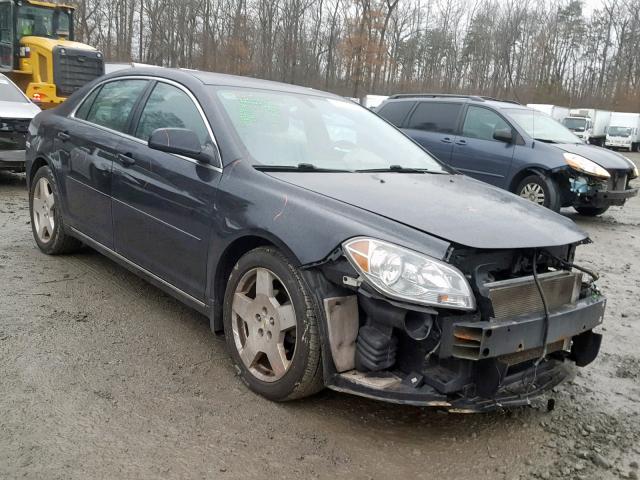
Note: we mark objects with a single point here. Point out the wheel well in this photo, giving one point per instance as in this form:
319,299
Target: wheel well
521,176
37,165
227,261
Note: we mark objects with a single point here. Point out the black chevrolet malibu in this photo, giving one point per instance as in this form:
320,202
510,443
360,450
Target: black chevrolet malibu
329,248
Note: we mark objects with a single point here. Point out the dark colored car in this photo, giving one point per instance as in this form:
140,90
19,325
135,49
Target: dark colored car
330,249
515,148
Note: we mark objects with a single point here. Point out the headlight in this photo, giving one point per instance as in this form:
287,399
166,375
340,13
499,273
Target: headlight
634,173
406,275
583,165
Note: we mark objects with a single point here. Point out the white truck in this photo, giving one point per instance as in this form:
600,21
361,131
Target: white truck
624,131
554,111
589,124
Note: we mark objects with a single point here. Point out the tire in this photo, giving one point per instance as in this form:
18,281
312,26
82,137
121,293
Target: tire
591,211
544,188
264,292
47,224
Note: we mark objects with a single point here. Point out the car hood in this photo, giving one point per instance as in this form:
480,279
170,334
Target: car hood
452,207
18,110
605,158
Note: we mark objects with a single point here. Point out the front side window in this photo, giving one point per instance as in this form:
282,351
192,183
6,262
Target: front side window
435,117
289,129
170,107
481,123
112,106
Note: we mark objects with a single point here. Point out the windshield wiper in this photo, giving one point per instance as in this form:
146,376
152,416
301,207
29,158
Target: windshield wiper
301,167
400,169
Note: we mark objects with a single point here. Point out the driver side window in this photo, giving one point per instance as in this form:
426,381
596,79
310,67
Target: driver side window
481,123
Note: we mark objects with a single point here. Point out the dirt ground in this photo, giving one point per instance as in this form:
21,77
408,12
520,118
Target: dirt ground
104,376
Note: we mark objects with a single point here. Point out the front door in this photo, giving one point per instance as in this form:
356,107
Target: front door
87,145
163,204
7,35
476,153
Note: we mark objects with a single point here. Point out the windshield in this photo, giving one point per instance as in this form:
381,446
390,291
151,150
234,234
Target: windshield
42,22
619,131
289,129
9,92
575,124
541,126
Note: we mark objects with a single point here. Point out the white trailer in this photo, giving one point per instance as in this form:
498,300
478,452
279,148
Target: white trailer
554,111
624,131
589,124
372,101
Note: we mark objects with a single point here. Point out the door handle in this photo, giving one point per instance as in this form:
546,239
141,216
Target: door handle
126,159
445,140
64,136
461,142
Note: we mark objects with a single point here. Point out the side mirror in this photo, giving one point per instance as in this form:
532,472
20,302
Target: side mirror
503,135
180,141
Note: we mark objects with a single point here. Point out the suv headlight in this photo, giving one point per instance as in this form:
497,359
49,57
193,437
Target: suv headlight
407,275
583,165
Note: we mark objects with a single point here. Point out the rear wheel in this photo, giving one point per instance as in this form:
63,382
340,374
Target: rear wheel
46,219
591,211
540,189
271,329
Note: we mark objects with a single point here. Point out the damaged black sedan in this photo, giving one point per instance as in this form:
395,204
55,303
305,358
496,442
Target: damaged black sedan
329,248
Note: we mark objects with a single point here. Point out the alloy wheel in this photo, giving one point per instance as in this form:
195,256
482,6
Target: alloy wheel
264,324
43,210
533,192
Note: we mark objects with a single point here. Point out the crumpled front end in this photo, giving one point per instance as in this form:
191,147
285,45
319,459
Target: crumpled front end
529,326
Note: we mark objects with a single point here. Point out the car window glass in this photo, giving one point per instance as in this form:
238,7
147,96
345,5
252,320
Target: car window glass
395,112
114,103
170,107
9,92
435,117
83,110
481,123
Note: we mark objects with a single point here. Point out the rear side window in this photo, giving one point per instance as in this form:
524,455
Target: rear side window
112,106
481,123
395,112
436,117
170,107
83,110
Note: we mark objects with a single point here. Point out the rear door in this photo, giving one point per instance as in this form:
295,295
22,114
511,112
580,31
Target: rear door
433,125
163,204
476,153
87,144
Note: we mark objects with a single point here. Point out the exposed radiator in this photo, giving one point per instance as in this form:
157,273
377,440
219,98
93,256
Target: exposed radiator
520,296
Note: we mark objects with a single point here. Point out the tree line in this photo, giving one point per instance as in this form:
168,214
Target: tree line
544,51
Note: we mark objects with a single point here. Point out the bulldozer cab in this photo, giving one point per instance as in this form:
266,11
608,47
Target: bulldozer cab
30,18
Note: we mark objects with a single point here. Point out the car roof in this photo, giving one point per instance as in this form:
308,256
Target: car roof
219,79
453,98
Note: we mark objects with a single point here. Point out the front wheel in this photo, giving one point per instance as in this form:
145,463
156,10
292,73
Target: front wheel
540,189
46,218
591,211
271,327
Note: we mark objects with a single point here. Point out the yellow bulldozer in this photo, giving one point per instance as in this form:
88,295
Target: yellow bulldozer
38,51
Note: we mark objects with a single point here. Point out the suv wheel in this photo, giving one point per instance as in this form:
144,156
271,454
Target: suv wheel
540,189
271,329
46,219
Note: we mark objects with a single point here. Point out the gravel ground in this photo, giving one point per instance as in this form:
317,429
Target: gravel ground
104,376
